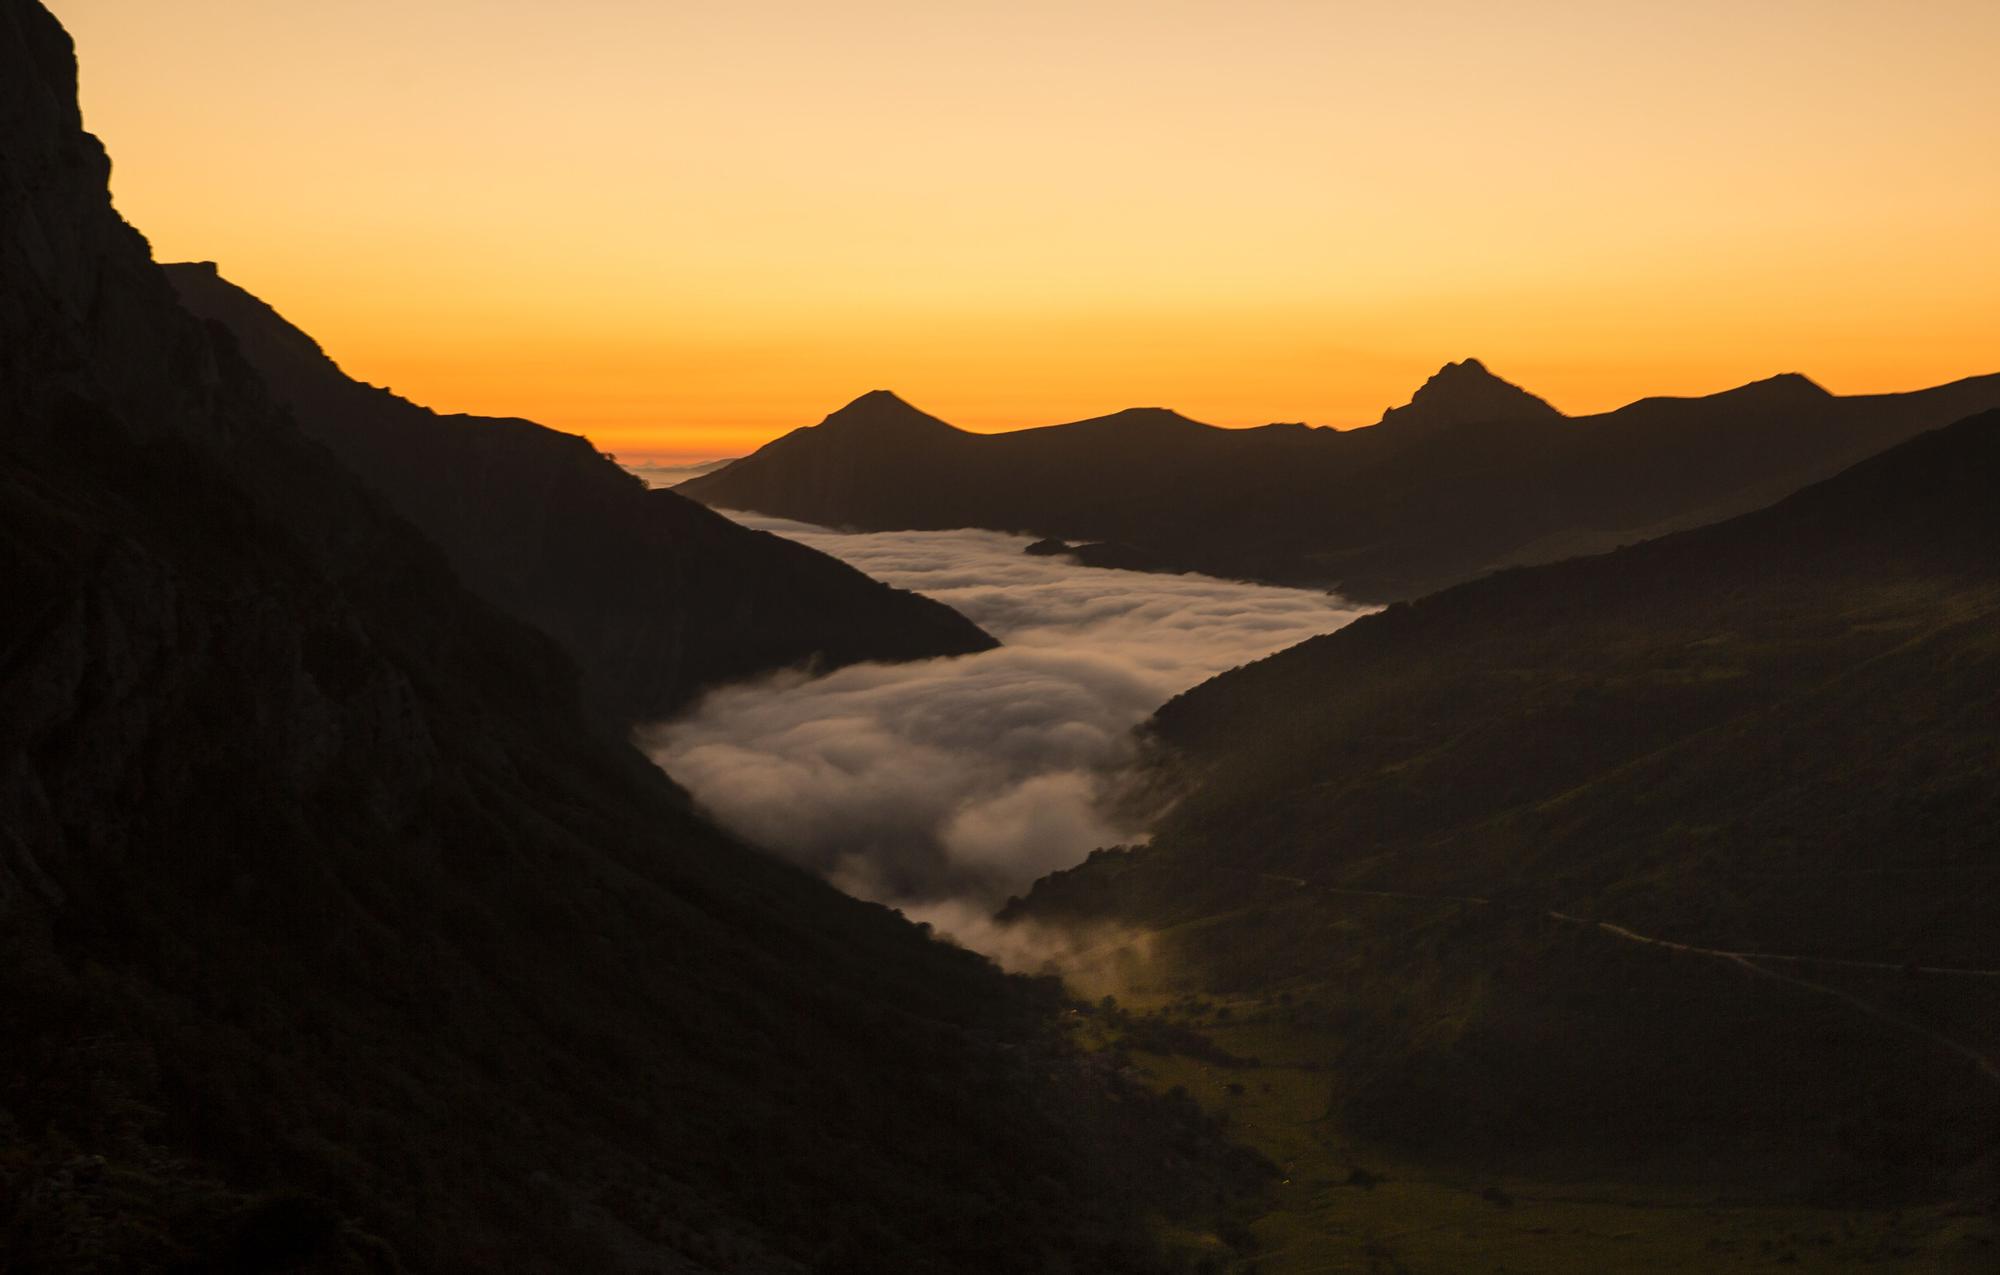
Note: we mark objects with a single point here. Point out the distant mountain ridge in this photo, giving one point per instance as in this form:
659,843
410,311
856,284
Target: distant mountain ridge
654,596
671,474
1472,475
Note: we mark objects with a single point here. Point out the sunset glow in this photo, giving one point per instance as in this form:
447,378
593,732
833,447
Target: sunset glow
684,229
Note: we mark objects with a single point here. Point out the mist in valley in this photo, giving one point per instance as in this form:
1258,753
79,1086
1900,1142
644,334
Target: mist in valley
944,786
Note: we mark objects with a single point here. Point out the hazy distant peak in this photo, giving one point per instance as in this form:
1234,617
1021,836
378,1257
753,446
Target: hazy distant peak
1135,424
1784,385
1466,392
1151,415
879,399
881,412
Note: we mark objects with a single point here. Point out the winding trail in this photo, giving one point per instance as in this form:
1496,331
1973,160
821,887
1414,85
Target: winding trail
1748,960
1886,967
1757,963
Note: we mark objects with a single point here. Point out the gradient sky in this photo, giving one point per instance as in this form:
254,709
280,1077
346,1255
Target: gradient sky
684,228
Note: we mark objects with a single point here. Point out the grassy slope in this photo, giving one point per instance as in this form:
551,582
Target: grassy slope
1345,1204
1775,735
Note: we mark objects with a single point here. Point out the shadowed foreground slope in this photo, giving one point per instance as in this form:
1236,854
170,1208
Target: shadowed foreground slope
1770,742
1474,474
331,936
655,597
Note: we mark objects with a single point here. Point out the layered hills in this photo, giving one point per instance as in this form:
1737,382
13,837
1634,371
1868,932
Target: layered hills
655,597
334,934
1472,475
1676,859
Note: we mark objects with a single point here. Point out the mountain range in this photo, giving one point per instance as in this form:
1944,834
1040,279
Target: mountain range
336,935
655,597
1647,835
1472,475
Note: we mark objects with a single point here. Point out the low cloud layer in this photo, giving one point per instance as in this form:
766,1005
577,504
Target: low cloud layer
944,786
658,473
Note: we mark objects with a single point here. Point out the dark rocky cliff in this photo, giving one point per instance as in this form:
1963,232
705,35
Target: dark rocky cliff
655,596
334,937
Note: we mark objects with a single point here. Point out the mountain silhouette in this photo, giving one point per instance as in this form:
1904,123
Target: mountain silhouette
879,417
1773,735
1473,475
654,596
1466,393
335,936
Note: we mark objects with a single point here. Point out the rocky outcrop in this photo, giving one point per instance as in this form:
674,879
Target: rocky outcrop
655,597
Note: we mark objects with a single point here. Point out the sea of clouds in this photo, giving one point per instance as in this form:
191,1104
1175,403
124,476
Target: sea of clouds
944,786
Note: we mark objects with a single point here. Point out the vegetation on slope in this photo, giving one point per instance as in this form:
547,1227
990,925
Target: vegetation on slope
1455,825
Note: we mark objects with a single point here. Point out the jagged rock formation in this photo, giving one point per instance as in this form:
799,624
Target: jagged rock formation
655,597
1472,475
334,937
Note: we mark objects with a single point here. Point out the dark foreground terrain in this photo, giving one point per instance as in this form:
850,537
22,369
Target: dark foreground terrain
334,936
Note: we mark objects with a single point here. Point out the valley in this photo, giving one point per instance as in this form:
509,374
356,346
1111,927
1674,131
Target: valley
1482,838
944,786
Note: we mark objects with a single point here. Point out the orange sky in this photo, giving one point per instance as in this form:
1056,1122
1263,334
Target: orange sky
684,228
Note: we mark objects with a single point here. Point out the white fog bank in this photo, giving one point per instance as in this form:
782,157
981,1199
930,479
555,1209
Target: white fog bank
944,786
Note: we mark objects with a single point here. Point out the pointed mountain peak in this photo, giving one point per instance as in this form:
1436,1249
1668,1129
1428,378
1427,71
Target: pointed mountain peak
879,400
1465,393
881,413
1784,387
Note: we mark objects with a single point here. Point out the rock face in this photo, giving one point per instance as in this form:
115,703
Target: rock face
333,936
1473,475
655,597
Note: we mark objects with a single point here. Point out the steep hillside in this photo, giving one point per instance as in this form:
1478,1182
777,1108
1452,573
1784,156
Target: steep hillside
1770,743
654,596
1472,475
333,938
